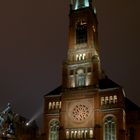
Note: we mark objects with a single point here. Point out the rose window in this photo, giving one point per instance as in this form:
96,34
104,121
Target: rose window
80,112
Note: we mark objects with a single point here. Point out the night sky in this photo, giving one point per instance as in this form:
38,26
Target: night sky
34,41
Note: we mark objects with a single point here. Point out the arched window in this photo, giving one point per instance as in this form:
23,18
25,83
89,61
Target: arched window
81,33
50,105
80,78
54,130
109,128
115,98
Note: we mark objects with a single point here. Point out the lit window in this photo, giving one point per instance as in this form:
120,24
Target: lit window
82,134
110,99
84,55
79,134
86,134
80,57
50,105
102,100
67,134
60,105
77,57
106,100
57,105
80,78
91,133
75,134
54,130
115,99
72,134
94,28
53,105
109,128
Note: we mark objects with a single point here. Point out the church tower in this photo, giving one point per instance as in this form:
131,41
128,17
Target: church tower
82,67
88,105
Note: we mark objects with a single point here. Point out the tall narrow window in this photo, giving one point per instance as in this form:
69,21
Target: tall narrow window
102,100
110,128
81,33
67,134
50,105
54,130
115,98
80,78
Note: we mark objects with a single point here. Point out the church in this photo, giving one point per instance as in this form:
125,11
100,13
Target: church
88,105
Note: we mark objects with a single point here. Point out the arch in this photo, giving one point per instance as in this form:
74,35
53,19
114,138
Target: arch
54,129
50,105
115,99
80,77
81,32
109,128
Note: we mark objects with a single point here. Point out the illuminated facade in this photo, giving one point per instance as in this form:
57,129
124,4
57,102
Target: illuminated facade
88,105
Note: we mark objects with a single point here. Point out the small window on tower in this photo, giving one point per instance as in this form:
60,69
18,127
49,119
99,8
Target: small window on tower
115,98
50,105
94,28
80,78
67,134
81,33
83,56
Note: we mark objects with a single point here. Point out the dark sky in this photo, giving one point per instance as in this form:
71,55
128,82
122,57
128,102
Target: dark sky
33,44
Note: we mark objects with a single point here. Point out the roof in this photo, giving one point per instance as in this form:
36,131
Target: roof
107,83
55,92
131,106
103,84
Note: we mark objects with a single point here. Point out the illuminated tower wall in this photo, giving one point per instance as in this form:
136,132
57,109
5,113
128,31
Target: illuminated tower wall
82,67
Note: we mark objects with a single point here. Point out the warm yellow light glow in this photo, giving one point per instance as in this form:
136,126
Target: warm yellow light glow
115,98
53,105
50,105
60,105
94,28
67,134
102,100
91,133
